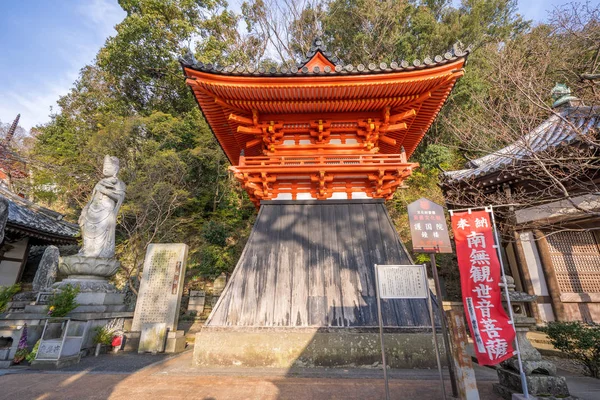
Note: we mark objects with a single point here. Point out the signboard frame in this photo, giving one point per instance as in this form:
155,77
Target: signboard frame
423,268
428,225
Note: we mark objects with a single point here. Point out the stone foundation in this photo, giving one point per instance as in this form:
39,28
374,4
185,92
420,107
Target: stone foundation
285,348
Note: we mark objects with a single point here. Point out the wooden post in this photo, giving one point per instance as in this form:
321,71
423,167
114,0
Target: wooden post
446,338
463,366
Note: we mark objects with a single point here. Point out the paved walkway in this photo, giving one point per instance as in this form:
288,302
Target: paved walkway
131,376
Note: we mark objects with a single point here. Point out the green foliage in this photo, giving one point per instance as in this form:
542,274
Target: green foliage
20,355
215,233
579,341
31,356
103,335
435,156
63,302
133,103
6,294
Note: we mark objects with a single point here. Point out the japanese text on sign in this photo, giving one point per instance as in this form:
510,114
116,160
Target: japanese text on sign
402,282
480,277
428,227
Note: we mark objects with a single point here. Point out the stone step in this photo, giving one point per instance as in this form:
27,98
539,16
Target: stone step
100,308
35,309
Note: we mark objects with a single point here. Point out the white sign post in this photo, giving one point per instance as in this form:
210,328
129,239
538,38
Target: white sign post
403,282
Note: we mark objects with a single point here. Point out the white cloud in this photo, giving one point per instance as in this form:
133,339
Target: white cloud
32,97
105,14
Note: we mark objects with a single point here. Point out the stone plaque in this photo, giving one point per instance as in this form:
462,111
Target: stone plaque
402,281
49,349
159,297
43,298
153,337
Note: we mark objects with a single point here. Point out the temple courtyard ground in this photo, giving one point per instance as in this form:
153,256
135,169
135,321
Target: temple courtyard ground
131,376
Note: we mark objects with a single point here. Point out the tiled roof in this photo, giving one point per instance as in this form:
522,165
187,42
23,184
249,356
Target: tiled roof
452,55
42,222
562,128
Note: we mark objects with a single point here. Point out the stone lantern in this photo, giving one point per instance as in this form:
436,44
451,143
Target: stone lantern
540,374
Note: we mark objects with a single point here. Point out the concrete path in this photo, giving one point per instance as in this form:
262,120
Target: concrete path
131,376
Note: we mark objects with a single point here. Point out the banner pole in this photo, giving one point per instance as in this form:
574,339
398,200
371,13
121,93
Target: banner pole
434,334
490,210
446,337
385,377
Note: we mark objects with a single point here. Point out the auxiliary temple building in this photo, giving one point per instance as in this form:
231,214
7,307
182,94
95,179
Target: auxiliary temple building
319,148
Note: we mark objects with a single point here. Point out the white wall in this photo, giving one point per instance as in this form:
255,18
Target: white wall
9,270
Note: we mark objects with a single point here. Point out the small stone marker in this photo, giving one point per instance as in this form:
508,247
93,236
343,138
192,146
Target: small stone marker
153,337
43,298
219,284
161,288
47,269
197,301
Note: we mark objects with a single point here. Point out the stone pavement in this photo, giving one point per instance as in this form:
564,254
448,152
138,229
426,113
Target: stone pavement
132,376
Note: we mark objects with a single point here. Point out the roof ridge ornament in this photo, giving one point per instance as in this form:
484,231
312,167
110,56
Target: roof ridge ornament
318,46
561,94
188,58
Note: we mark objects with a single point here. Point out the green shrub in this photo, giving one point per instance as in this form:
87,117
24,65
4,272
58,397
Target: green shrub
63,302
215,233
6,294
31,356
103,335
579,341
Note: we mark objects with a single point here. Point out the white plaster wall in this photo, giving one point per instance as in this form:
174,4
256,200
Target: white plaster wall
9,270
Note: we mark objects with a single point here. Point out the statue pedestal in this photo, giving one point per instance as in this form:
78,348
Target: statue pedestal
90,274
540,374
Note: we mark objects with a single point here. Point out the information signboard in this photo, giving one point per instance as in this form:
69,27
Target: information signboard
428,227
402,282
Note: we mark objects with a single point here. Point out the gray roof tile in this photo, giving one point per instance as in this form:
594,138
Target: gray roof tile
555,131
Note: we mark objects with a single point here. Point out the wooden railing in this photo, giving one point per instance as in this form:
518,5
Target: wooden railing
323,160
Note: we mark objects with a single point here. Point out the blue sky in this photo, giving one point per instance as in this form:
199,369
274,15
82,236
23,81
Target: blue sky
44,44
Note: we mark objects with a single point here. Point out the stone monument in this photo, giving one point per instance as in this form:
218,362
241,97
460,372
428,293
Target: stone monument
196,302
159,299
95,263
47,270
540,374
219,284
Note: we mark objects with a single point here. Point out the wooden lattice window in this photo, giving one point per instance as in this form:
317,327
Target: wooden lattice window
576,260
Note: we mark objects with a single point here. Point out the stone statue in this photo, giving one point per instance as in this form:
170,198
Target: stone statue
98,218
95,263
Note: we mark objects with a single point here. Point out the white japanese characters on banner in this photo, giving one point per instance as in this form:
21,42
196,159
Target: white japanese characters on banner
480,277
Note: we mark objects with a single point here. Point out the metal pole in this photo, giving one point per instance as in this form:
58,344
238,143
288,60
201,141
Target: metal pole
510,311
434,334
385,377
445,336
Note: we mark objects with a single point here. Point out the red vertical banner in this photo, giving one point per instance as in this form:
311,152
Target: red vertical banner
480,276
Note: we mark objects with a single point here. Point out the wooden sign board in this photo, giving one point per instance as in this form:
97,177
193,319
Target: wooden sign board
428,227
402,282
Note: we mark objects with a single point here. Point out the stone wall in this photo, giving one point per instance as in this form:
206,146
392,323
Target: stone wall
285,348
